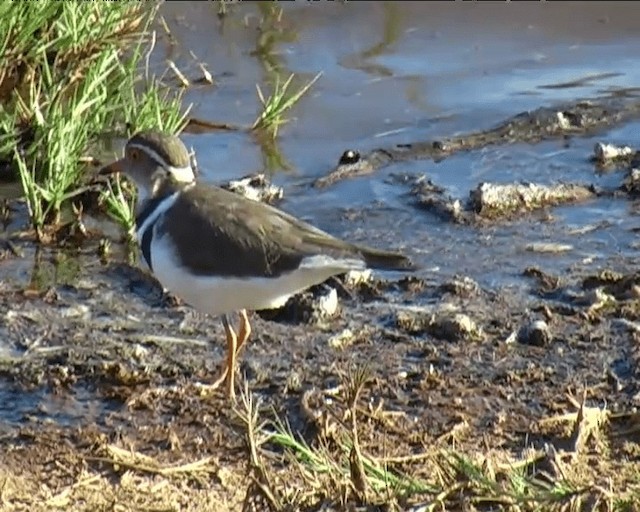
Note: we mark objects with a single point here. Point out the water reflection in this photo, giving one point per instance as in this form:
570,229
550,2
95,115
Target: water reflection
391,32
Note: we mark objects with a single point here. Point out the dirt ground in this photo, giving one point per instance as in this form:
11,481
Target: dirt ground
471,378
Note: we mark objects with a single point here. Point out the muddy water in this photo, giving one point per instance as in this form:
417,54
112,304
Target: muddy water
395,73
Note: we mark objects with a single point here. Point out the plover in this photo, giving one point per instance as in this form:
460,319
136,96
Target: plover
223,253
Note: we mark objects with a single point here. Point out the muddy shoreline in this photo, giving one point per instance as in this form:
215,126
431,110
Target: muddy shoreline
572,119
97,363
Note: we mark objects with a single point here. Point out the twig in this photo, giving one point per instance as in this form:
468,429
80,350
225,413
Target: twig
60,498
156,338
250,416
190,467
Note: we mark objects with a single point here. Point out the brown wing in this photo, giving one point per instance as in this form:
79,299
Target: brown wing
220,232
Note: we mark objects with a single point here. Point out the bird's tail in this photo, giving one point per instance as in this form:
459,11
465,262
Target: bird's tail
386,260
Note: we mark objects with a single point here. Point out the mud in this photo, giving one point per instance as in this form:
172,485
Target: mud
81,358
579,118
99,373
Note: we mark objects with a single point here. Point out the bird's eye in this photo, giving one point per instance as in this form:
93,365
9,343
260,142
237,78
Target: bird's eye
134,154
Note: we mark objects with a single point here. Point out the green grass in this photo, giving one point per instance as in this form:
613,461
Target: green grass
73,72
281,100
444,480
119,201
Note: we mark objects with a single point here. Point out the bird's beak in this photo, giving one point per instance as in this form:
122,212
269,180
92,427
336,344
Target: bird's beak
112,168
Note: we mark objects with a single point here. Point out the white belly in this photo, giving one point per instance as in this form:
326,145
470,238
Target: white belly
225,295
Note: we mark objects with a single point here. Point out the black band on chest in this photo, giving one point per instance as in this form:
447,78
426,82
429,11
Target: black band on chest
145,245
148,209
147,236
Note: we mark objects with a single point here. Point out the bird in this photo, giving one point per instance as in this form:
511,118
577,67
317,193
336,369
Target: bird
223,253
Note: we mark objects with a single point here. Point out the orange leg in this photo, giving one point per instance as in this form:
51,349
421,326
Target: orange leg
232,357
245,330
228,371
234,344
232,348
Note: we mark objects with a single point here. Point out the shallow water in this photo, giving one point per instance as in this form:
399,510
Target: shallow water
42,407
395,72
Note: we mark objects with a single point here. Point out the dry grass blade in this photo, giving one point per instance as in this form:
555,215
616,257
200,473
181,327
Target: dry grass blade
588,424
248,411
358,475
184,81
206,76
118,457
62,498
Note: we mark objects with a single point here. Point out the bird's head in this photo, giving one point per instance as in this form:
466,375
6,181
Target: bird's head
150,159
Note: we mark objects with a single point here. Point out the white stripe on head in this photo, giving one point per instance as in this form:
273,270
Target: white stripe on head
181,174
162,207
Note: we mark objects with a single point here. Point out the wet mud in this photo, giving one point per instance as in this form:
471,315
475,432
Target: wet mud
107,366
578,118
100,370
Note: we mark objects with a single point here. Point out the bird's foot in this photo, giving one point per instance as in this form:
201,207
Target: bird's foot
150,396
206,390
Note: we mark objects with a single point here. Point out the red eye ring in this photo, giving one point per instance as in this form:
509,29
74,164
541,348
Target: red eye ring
134,154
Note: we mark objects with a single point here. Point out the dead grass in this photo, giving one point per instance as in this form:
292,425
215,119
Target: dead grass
350,455
128,491
108,477
339,467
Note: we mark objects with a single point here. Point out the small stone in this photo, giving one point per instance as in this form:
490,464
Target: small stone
350,156
315,305
604,152
548,247
495,200
354,278
455,327
256,187
327,305
563,121
631,182
77,311
439,145
535,333
461,286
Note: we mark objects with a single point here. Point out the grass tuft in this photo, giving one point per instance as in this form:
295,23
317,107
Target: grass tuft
71,73
341,466
280,100
120,205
